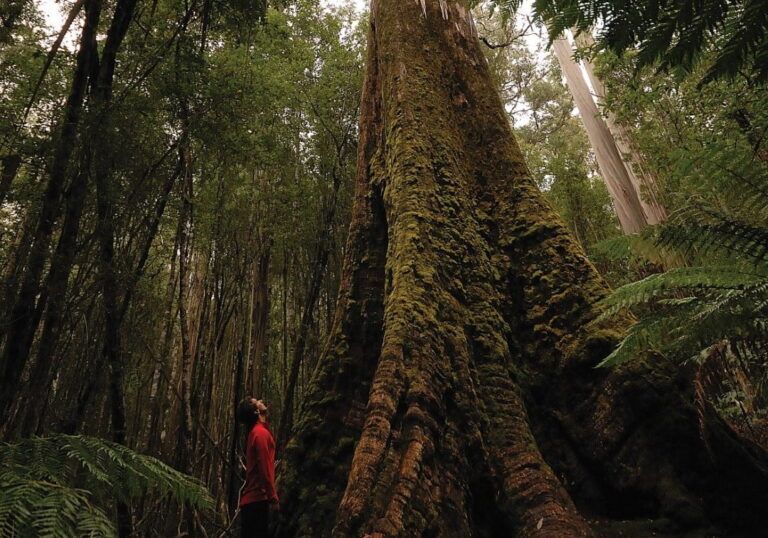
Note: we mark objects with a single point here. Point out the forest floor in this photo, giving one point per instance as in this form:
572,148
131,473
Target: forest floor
643,528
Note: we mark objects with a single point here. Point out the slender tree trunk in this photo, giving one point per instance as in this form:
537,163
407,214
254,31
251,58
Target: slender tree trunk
260,316
13,269
22,317
644,182
234,481
153,227
457,395
106,198
160,385
284,311
307,318
9,167
626,200
185,253
57,285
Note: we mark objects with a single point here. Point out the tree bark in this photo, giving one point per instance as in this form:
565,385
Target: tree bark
615,174
457,394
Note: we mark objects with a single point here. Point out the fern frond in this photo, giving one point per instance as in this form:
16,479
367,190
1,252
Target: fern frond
39,508
643,247
685,279
708,229
748,33
673,34
637,342
38,479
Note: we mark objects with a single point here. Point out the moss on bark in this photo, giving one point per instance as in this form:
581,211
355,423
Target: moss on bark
457,394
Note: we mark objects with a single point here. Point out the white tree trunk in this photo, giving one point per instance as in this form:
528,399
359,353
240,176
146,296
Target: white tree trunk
616,175
642,179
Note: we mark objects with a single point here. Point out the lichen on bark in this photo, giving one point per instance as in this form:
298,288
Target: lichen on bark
457,395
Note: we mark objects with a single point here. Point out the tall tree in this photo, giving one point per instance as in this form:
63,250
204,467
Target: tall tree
24,312
617,176
458,386
642,179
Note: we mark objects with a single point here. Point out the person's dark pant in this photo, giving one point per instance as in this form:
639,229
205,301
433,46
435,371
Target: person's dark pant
254,518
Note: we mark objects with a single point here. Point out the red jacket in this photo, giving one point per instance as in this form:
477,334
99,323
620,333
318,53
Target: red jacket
259,466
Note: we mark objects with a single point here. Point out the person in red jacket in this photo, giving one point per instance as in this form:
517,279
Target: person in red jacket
258,497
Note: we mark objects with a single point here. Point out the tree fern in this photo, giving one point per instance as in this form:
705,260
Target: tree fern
685,310
707,229
65,485
723,233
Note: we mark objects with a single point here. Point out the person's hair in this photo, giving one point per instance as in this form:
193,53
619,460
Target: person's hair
247,413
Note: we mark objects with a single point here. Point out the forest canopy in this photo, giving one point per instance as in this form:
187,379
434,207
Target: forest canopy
490,268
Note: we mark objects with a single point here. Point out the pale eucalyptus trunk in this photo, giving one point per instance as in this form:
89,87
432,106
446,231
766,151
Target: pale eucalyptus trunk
645,183
616,176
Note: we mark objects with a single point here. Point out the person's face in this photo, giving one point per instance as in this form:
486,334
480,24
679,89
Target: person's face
261,406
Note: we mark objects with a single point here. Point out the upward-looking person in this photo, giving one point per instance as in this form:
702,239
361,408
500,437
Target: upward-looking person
258,497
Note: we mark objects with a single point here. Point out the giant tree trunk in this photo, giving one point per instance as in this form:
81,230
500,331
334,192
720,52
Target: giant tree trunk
457,395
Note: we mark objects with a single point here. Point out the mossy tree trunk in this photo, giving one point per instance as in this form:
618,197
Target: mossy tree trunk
457,395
